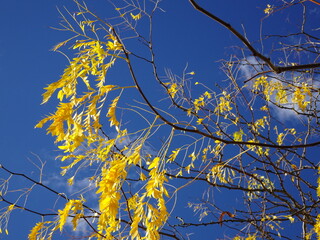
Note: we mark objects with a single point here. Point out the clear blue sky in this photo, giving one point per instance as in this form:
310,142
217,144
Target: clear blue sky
27,65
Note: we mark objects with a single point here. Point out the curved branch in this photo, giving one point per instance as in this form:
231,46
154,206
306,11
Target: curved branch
42,185
254,51
197,131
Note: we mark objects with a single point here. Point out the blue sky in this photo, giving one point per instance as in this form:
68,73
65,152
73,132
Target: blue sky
27,65
182,37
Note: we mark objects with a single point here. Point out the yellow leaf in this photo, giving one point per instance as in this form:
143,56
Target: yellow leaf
280,138
135,17
112,112
200,120
71,181
173,89
75,220
268,9
11,207
264,108
154,163
142,177
174,154
237,136
105,89
35,231
224,104
63,214
207,94
291,219
113,46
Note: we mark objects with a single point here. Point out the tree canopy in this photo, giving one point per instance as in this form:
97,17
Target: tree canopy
168,153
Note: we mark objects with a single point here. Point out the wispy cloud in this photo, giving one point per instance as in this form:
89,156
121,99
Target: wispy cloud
284,112
83,229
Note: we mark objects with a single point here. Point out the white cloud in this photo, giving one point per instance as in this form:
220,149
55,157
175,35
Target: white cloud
286,112
83,229
250,67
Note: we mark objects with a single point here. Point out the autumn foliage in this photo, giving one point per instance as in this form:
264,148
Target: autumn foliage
225,138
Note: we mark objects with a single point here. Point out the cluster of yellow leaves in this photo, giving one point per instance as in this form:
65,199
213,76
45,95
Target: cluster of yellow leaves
300,96
224,104
259,124
155,188
260,82
114,44
144,211
201,101
74,206
35,231
69,124
281,136
137,204
173,89
40,229
135,17
258,149
109,188
77,121
299,93
317,227
221,173
269,88
258,182
237,136
268,9
250,237
198,103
